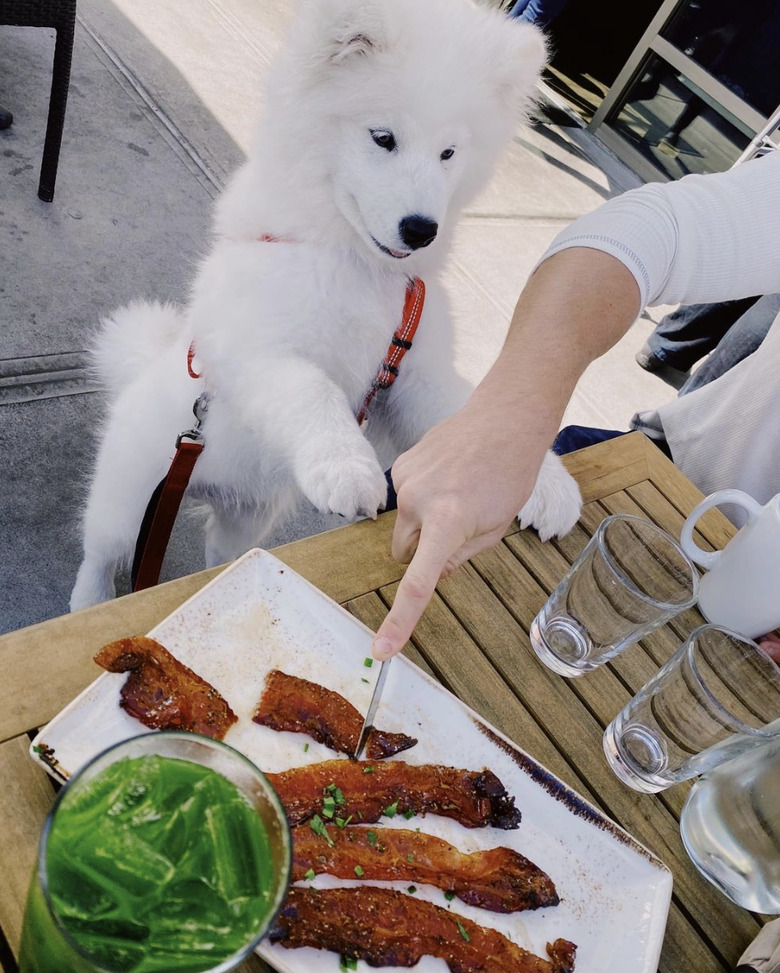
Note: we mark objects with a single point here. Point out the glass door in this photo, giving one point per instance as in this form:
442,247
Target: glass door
704,79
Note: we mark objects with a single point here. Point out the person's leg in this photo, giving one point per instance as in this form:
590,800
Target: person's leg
519,8
571,438
741,340
692,110
684,336
540,13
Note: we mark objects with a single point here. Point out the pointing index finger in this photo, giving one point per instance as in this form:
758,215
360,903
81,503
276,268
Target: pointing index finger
415,590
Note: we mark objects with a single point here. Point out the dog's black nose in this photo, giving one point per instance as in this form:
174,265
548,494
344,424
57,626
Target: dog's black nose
417,231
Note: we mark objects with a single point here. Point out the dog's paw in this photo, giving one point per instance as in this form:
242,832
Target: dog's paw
351,485
554,506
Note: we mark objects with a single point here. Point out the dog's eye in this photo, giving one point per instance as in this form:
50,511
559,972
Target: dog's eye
447,153
383,138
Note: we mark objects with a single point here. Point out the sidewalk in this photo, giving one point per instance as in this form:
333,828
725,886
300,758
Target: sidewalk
163,98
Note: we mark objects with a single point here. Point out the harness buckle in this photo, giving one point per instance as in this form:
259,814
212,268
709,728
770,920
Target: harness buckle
200,410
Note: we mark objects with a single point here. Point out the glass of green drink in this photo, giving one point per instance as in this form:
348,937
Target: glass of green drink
167,853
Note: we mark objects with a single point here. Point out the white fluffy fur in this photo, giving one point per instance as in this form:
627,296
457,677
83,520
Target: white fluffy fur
289,334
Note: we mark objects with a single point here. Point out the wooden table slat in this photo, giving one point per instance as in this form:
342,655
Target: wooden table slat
28,787
607,467
684,949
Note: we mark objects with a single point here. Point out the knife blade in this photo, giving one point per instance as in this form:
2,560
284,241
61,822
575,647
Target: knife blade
368,722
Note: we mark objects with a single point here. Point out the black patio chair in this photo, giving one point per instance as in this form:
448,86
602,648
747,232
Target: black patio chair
61,15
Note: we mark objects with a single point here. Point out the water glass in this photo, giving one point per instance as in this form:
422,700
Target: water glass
168,851
730,827
717,696
631,578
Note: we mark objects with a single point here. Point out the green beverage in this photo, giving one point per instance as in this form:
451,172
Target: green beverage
153,862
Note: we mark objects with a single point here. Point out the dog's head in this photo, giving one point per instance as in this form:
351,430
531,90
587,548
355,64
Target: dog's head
400,110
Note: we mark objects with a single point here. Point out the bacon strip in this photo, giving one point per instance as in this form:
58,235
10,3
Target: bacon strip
291,703
162,693
388,928
474,798
500,879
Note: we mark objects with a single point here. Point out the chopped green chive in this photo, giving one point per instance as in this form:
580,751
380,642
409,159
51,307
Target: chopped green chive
305,747
367,662
343,822
462,931
309,875
328,807
368,770
410,858
449,896
363,679
348,963
317,825
412,889
358,871
372,838
336,795
391,811
408,814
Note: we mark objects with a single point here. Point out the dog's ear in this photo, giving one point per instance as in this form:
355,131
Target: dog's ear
345,29
521,55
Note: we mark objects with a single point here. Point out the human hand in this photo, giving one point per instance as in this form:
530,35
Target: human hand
458,490
461,485
771,645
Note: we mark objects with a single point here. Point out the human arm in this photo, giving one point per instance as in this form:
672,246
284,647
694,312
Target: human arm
703,238
463,483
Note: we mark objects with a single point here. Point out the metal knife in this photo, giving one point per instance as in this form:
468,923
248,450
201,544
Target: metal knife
368,722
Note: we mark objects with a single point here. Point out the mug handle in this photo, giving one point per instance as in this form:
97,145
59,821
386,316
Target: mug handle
707,559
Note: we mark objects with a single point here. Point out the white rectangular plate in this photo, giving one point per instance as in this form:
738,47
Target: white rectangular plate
259,615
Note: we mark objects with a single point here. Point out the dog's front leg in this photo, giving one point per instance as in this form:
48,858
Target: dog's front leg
309,419
555,502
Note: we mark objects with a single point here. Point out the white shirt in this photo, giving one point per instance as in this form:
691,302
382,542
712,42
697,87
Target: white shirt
705,239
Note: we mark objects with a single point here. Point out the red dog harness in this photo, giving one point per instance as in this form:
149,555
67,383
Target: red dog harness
163,506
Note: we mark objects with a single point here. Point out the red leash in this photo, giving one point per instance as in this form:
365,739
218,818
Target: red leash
163,506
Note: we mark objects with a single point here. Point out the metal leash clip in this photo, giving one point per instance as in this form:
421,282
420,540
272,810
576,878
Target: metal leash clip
200,409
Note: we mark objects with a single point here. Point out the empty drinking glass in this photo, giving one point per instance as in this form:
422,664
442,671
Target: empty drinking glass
717,696
631,578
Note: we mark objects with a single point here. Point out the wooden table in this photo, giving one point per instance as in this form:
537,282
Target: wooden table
473,638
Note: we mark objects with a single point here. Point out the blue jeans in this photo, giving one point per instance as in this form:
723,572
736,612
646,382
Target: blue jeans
741,340
540,13
684,336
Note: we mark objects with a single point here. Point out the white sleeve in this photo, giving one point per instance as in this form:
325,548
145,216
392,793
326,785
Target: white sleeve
701,239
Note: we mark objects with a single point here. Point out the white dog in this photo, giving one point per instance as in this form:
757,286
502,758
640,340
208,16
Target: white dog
384,117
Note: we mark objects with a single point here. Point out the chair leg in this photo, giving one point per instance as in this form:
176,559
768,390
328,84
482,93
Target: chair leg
63,53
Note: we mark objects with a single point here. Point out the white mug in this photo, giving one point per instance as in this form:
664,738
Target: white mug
741,589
